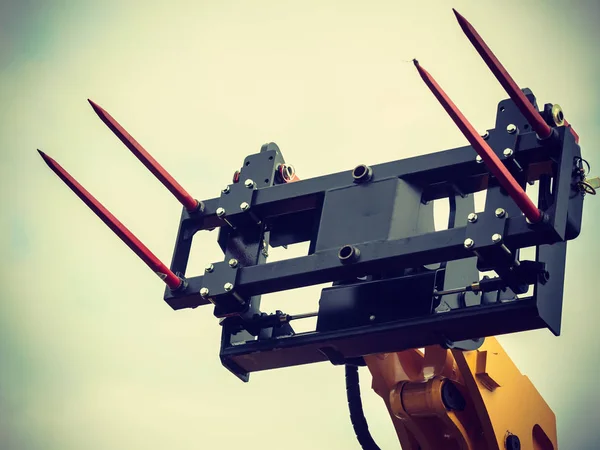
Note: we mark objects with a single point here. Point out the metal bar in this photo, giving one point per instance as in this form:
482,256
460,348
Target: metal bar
388,337
303,315
498,169
431,172
146,159
375,257
172,280
453,291
536,120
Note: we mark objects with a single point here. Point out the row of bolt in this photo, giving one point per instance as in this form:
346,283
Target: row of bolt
244,206
507,152
233,263
496,237
204,292
511,128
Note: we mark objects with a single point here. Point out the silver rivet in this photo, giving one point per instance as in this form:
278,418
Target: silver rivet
469,243
472,217
496,238
225,190
479,159
500,212
511,128
209,268
508,152
228,287
220,212
485,135
233,262
244,206
371,318
249,183
204,292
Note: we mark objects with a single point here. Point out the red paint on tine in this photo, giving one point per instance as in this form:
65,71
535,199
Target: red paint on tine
535,119
573,132
496,167
147,160
172,280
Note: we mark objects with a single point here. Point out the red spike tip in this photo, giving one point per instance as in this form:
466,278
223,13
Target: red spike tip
165,274
146,159
491,160
536,120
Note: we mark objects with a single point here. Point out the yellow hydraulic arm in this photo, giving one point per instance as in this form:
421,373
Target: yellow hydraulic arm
462,400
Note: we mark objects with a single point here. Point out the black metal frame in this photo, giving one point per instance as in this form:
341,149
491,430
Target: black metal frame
393,249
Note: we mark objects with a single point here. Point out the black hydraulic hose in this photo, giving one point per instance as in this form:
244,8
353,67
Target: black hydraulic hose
357,416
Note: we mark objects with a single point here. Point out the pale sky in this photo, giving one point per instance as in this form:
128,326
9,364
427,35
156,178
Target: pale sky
90,356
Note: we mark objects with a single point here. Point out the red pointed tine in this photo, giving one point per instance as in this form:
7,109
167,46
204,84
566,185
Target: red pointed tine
498,169
189,202
172,280
537,122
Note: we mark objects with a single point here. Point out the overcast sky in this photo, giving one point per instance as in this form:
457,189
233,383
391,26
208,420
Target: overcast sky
90,355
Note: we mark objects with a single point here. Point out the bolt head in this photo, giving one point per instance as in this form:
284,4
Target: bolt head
469,243
479,159
233,263
472,217
204,292
496,238
513,442
485,135
500,212
249,183
244,206
508,152
228,287
209,268
225,190
372,318
220,212
511,128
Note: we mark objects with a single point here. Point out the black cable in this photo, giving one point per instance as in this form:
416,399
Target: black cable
357,415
